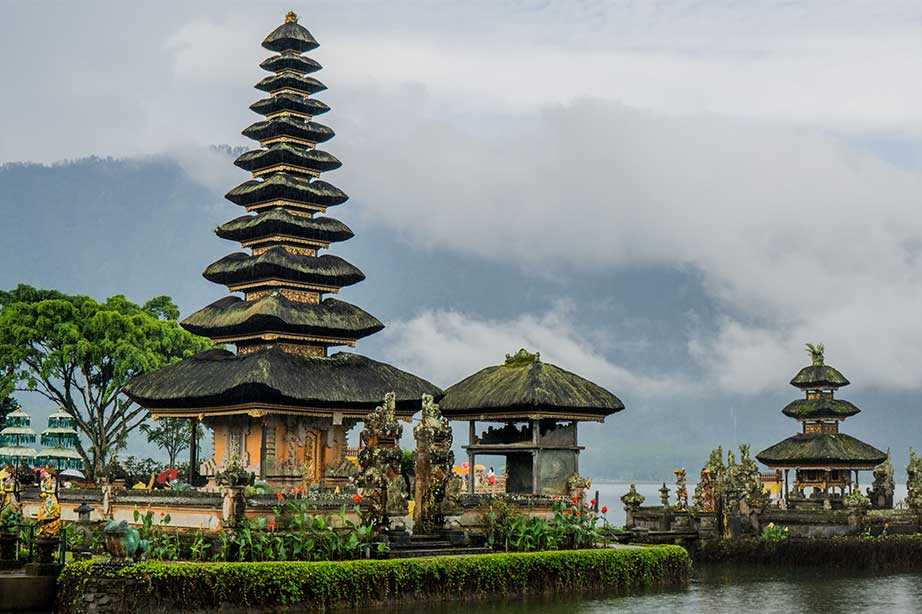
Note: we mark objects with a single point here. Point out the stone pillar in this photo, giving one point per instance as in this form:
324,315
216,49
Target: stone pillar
193,452
471,439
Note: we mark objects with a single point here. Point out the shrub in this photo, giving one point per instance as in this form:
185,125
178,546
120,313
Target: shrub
206,586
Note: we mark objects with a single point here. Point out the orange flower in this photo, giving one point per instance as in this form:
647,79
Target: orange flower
575,499
356,498
301,490
279,496
272,525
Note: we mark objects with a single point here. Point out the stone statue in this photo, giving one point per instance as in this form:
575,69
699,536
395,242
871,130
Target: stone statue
914,482
49,514
123,543
433,460
632,499
881,491
664,495
577,486
704,491
380,459
681,491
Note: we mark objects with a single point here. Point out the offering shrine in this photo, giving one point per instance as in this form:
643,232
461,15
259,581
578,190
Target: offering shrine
823,458
281,405
538,407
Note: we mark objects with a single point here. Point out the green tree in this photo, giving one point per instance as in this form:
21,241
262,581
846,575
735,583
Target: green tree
81,353
7,404
173,435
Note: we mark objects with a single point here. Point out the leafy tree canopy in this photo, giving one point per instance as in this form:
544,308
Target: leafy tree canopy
80,353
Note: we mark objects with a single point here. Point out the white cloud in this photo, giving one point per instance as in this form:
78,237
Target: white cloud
448,346
792,230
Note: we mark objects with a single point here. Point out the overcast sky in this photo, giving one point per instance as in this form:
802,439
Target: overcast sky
770,150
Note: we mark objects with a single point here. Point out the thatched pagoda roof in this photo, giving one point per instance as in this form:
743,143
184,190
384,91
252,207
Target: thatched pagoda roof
316,193
308,85
284,153
289,102
822,450
279,221
278,263
819,376
290,36
312,132
232,316
290,61
820,408
218,381
525,387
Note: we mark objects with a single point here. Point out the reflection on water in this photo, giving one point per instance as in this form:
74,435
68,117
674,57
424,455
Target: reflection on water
730,589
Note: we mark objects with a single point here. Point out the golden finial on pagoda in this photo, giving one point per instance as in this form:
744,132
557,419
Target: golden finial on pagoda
291,17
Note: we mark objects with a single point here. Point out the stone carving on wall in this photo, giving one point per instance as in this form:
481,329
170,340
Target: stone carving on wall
311,472
433,460
384,488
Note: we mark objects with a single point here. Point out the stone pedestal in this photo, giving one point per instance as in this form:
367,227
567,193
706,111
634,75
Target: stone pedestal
45,563
9,542
856,519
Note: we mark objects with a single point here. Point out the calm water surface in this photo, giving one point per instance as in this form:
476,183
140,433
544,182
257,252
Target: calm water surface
726,589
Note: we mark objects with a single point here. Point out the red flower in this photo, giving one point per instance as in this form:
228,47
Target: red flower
604,509
279,496
586,505
579,513
301,490
593,502
272,525
575,499
568,511
356,498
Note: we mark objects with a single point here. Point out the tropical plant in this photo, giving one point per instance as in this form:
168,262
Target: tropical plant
774,533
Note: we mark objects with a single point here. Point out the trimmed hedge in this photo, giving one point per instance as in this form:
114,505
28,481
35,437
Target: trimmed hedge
176,587
891,552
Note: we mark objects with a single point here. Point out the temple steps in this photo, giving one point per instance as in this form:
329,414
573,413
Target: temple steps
427,546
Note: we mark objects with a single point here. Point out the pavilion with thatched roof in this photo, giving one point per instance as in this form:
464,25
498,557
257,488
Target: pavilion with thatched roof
539,406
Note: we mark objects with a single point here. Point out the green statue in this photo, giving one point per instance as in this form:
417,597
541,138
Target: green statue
123,543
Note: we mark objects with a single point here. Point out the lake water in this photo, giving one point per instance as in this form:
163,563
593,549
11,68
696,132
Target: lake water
610,495
730,590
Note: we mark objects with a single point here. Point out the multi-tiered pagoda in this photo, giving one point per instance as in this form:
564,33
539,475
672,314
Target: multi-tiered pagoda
16,439
60,439
823,458
282,405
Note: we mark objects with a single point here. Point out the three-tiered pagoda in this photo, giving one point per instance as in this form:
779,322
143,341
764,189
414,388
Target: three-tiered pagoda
823,458
282,405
